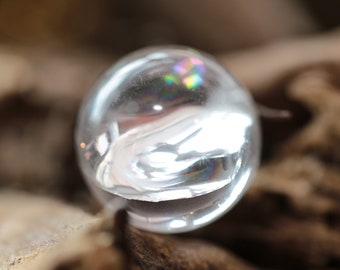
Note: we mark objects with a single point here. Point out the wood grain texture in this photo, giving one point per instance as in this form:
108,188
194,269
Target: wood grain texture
30,225
289,219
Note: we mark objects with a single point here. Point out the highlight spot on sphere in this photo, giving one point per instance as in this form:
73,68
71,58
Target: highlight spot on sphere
170,132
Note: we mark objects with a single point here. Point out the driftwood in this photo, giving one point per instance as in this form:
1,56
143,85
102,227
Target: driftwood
30,225
289,219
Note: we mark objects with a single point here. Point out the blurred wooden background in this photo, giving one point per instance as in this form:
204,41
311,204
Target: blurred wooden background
286,53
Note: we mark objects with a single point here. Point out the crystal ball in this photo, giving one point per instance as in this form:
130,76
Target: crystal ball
169,131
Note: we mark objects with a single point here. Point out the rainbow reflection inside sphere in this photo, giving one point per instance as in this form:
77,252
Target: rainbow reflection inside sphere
169,131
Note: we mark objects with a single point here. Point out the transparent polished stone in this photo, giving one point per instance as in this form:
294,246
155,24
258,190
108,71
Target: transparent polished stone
169,131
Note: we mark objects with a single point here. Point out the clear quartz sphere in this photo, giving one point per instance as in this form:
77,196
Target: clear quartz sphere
169,131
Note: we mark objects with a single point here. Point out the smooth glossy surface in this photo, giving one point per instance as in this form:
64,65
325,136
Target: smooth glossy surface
172,133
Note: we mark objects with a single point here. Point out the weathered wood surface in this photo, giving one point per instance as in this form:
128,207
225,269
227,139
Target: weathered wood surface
30,225
289,219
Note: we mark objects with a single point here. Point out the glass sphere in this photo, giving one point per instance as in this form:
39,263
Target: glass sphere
169,131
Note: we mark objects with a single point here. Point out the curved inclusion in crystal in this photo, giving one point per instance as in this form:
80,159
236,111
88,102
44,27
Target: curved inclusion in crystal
169,131
172,157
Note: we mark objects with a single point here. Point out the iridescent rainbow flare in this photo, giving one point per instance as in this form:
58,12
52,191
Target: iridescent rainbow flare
189,72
